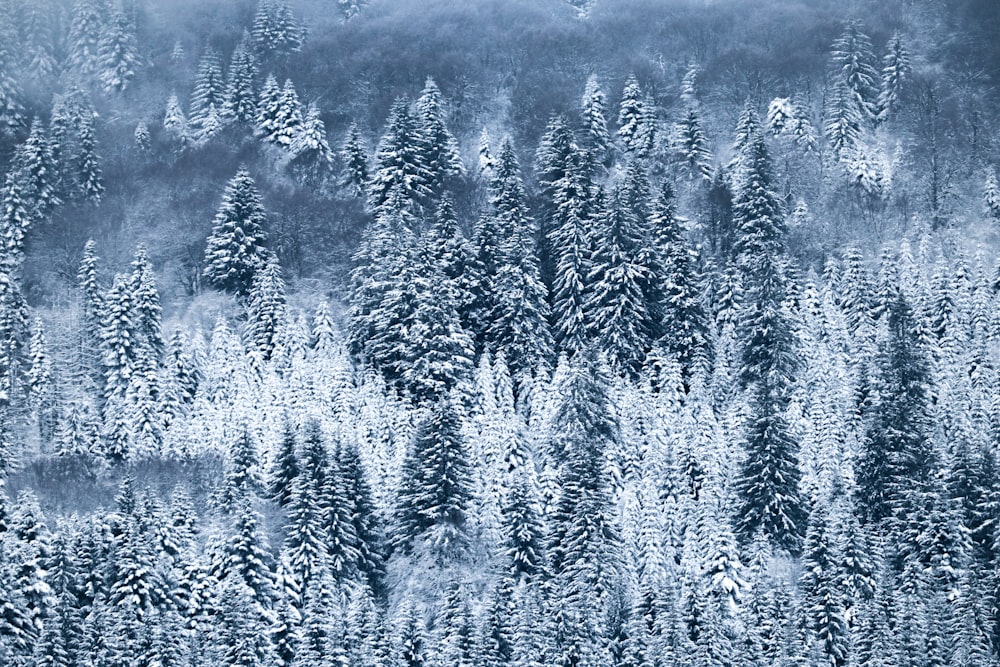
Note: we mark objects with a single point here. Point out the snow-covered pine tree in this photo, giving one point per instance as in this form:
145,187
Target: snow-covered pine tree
174,121
636,128
438,149
823,604
85,36
435,488
682,317
991,197
275,31
266,314
355,158
768,493
593,109
288,119
617,309
855,66
35,165
240,99
208,99
399,162
895,72
235,249
312,157
90,186
117,54
518,321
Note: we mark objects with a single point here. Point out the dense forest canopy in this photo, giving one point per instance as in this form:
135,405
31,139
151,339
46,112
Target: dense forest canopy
407,333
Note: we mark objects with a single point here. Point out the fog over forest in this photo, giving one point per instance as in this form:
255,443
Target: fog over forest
489,333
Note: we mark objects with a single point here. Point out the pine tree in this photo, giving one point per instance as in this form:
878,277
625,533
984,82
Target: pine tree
595,121
268,108
693,145
680,313
85,37
148,330
768,491
285,468
174,121
895,72
90,186
235,249
896,454
991,197
355,157
313,158
823,600
524,554
288,120
239,103
435,487
208,98
11,106
843,121
399,166
438,148
854,66
35,164
635,128
583,543
40,382
517,322
619,318
117,54
38,49
266,317
275,31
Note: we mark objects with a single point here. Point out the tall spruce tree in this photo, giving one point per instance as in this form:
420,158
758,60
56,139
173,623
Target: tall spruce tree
768,486
235,250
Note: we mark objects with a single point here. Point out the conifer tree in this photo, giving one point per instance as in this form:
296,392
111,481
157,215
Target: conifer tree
355,157
895,72
288,120
208,98
991,197
438,148
285,468
896,453
517,322
174,120
619,317
266,309
636,130
855,67
680,312
35,164
823,598
275,31
235,250
40,382
595,121
239,102
148,333
768,490
312,157
85,36
434,493
90,186
117,54
399,166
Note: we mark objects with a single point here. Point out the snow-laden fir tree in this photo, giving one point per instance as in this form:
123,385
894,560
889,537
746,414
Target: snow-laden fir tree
266,314
85,36
239,103
618,315
895,72
12,116
768,486
287,118
517,323
594,112
991,197
399,162
117,54
435,488
275,31
35,164
354,155
856,68
824,605
636,125
208,98
90,186
174,121
312,157
438,149
235,249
